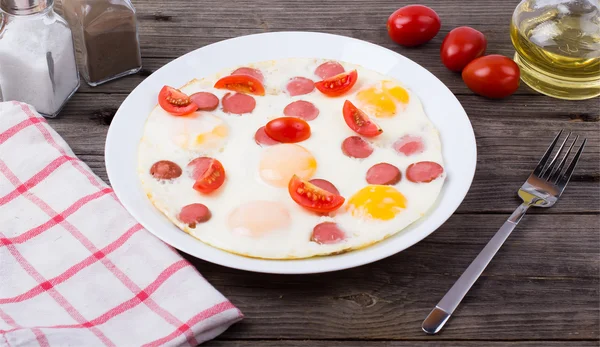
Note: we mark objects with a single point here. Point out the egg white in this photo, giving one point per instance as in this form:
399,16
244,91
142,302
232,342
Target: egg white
240,156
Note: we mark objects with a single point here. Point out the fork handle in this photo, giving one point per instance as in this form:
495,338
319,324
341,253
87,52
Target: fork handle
442,311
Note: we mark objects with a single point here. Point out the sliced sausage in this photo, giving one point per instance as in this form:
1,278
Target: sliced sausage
263,139
409,145
250,72
205,101
329,69
356,147
238,103
326,185
300,86
301,109
197,167
383,173
423,171
327,233
194,213
165,170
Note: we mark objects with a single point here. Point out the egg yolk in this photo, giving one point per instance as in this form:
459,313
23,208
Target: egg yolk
214,138
280,162
377,202
205,133
382,99
256,218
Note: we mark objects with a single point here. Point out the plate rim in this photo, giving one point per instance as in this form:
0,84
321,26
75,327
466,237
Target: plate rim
114,178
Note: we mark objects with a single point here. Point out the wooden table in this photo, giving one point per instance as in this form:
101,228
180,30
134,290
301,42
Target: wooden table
542,289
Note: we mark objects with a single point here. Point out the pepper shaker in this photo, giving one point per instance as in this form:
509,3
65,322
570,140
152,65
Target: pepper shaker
37,60
106,38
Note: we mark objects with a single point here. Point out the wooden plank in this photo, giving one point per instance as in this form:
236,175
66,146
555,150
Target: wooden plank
363,307
543,284
512,135
353,16
332,308
158,43
315,14
432,341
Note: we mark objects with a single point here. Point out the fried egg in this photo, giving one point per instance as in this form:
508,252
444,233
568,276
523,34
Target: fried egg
200,133
383,99
377,202
279,163
252,213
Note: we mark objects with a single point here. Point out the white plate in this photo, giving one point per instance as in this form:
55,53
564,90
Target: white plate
444,110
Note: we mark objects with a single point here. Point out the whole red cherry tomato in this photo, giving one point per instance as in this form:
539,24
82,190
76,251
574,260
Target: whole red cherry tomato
493,76
288,129
413,25
461,46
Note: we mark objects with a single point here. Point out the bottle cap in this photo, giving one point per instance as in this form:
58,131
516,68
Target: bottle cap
24,7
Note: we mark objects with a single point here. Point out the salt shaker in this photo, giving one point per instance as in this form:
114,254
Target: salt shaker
37,60
106,38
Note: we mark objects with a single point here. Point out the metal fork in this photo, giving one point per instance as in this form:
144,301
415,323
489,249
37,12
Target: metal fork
542,189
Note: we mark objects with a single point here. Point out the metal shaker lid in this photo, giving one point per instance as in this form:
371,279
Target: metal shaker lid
24,7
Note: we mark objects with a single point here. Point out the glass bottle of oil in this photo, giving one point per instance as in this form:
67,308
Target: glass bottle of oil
557,45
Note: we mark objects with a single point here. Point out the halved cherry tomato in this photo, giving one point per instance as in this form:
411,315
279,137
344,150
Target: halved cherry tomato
312,197
461,46
358,121
493,76
175,101
212,178
242,84
338,84
288,129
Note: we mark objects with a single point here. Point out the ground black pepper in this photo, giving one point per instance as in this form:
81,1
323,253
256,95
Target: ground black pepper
105,36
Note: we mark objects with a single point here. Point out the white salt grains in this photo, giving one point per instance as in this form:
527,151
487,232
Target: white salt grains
37,62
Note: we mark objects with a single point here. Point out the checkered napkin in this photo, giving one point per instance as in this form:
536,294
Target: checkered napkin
75,268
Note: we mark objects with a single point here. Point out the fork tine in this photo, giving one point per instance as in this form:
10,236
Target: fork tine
564,179
550,166
555,173
538,169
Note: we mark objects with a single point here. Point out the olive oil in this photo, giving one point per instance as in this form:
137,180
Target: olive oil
558,47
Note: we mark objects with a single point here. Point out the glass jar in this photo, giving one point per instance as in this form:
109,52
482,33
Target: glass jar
557,45
106,38
37,60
